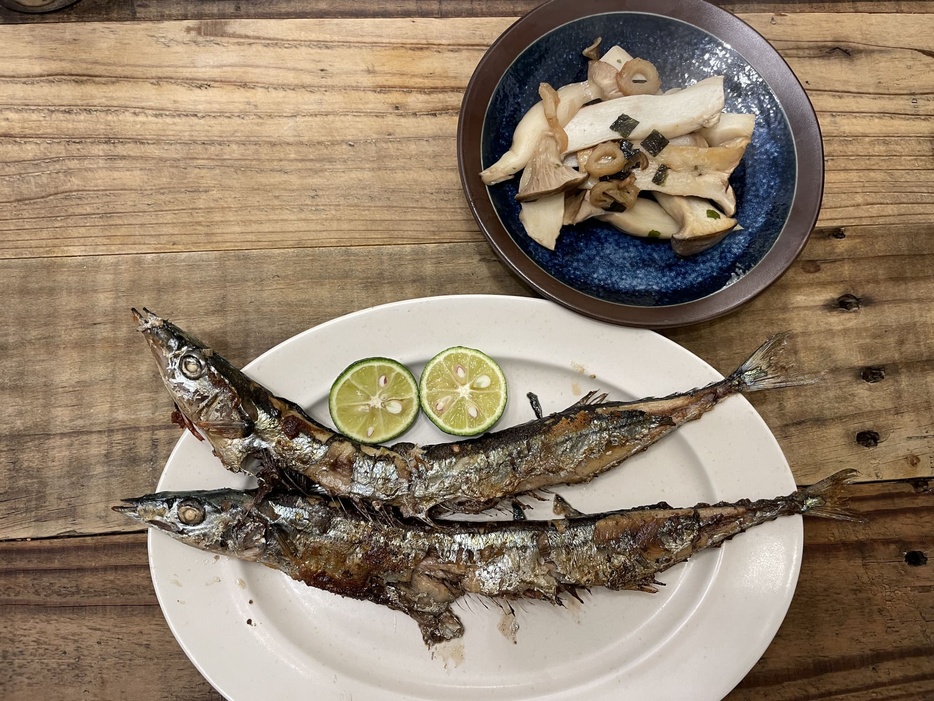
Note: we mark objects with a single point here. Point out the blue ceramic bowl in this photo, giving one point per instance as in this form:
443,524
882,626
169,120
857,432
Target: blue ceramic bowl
594,268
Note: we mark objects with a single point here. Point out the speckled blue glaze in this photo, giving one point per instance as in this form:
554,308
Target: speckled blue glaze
595,258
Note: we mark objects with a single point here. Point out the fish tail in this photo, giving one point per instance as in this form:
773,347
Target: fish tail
825,499
764,368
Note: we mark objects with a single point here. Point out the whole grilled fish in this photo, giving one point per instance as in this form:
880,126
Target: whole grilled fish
421,570
242,420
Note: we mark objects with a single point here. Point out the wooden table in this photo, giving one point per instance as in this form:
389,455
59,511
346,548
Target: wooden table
252,170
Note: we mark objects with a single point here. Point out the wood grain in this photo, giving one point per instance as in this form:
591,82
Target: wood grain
128,10
81,620
857,577
84,610
856,299
221,135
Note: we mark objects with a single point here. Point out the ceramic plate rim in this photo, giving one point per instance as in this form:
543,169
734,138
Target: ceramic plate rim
755,49
241,645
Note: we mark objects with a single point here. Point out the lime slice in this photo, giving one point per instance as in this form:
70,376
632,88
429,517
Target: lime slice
463,391
374,400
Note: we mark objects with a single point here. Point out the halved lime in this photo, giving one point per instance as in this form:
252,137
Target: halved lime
374,400
463,391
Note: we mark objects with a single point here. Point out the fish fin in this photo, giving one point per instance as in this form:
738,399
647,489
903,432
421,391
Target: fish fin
518,510
571,590
764,369
825,499
562,508
592,397
273,477
536,405
390,517
575,592
649,586
540,494
299,483
268,477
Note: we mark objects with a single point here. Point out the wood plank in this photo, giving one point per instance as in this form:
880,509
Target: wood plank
856,299
125,10
857,577
196,144
80,615
866,110
222,135
81,620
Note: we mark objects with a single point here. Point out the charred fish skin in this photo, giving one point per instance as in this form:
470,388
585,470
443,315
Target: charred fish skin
422,570
242,419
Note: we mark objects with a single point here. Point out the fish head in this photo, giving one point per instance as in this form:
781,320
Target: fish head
215,400
221,521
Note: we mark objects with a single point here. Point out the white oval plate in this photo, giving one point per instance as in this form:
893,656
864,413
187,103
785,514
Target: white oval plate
254,633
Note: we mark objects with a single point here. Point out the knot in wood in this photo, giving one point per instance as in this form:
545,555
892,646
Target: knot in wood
848,302
867,439
873,373
916,558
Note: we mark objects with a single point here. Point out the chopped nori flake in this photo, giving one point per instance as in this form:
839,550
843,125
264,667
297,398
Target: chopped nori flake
624,125
628,149
655,234
661,175
654,143
713,214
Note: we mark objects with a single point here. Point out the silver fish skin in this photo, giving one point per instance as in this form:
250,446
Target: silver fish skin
422,570
242,420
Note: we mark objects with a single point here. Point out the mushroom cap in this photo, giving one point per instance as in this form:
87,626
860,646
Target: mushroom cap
577,208
546,174
701,224
693,245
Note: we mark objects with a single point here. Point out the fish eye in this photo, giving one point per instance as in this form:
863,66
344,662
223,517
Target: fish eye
190,512
192,366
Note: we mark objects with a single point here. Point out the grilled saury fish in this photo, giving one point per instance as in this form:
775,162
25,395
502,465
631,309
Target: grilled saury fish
421,569
243,420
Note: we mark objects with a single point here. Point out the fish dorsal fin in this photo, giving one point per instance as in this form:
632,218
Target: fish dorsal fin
562,508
